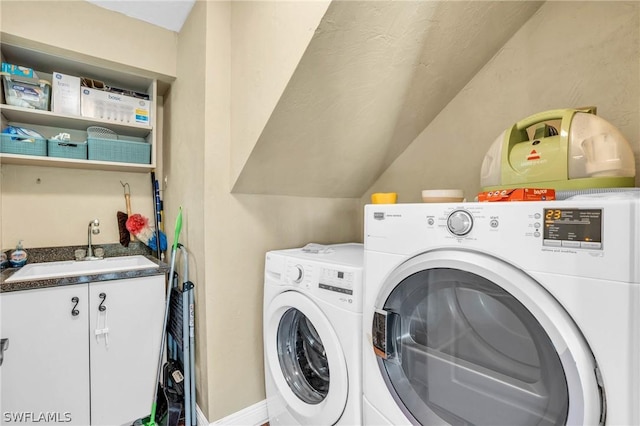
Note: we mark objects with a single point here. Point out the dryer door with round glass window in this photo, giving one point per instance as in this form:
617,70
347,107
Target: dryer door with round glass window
467,339
305,359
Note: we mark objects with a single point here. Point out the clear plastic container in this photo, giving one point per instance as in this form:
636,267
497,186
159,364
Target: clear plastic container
26,92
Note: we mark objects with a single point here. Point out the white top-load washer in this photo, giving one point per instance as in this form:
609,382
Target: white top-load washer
512,313
313,335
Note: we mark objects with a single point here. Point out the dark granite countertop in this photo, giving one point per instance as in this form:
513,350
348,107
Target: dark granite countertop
55,254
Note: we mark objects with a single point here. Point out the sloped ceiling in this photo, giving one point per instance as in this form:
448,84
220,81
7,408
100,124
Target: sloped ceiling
372,78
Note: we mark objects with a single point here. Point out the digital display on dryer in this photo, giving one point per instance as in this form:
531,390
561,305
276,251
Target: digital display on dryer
573,228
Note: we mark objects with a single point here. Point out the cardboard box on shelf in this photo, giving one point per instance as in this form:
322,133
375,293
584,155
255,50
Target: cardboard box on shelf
65,98
18,70
518,194
114,107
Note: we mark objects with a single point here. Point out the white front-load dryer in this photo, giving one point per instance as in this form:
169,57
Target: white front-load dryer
313,335
516,313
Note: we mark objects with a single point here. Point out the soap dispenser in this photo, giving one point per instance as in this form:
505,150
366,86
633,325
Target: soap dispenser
18,257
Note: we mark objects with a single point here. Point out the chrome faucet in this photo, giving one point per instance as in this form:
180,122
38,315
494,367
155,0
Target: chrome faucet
92,229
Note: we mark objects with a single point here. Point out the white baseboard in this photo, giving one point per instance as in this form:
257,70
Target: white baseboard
254,415
201,420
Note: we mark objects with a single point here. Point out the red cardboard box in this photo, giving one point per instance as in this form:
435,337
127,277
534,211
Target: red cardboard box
518,194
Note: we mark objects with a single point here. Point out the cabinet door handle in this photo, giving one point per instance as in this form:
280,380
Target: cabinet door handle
102,308
4,345
74,311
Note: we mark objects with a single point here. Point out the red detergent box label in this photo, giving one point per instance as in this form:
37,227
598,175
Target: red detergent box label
518,194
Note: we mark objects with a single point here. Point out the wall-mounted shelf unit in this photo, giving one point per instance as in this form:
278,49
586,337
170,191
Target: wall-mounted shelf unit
68,163
47,59
51,119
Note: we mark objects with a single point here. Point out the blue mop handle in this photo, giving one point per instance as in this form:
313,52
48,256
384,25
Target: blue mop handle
156,186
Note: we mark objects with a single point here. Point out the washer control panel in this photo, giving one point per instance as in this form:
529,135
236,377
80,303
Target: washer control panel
332,276
340,281
295,273
299,274
341,285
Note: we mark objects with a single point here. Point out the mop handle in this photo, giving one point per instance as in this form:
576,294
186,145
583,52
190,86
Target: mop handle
164,327
172,271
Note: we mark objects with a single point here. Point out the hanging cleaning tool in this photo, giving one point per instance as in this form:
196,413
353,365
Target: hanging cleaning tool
158,205
156,212
151,420
127,200
125,236
139,226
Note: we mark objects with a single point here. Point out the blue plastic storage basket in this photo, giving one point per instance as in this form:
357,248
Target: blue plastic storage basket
125,149
65,149
24,145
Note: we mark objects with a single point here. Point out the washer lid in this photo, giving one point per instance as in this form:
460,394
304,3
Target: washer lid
306,360
464,337
346,254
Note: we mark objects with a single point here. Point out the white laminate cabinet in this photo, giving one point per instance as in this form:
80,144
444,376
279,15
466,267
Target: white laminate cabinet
46,366
124,347
74,363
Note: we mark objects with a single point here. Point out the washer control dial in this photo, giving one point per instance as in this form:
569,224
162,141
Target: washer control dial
295,273
460,222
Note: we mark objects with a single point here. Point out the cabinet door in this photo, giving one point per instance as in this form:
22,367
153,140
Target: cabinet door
124,347
45,373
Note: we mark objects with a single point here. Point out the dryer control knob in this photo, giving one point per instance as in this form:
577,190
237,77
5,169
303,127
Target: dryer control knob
295,273
460,222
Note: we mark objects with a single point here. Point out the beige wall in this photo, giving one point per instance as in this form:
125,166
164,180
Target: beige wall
184,169
56,209
228,235
570,54
89,30
373,76
268,39
51,207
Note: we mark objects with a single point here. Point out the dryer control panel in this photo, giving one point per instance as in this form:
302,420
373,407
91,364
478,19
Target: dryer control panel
571,227
589,237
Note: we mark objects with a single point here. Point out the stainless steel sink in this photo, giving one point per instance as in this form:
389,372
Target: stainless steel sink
46,270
